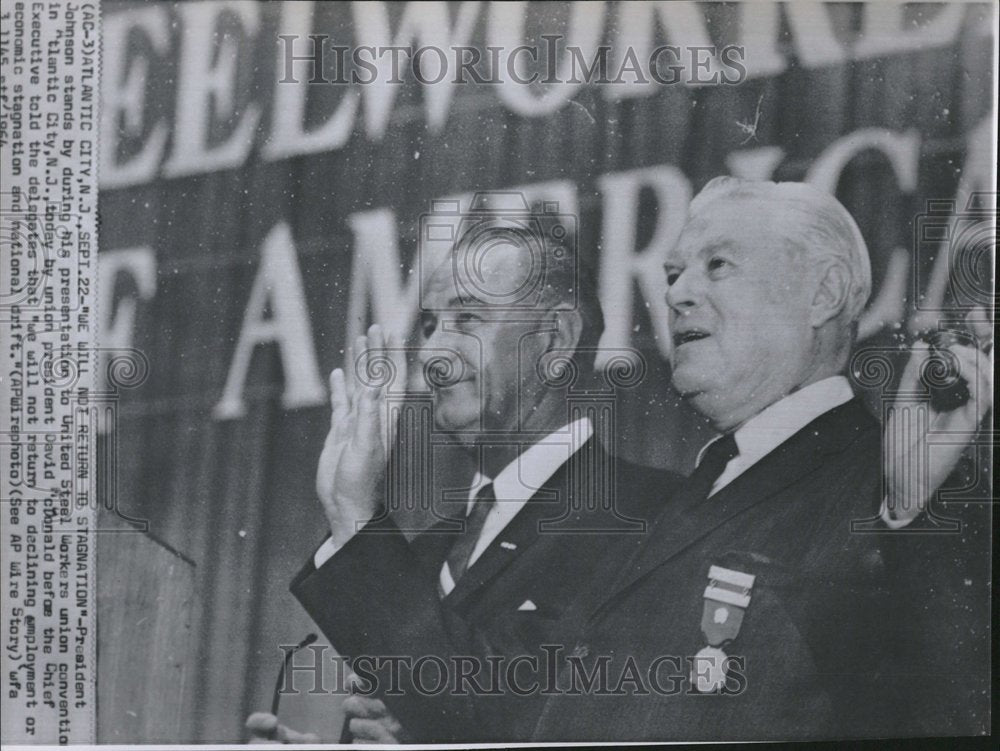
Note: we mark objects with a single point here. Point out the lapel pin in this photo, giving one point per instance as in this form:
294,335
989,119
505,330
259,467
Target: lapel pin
508,545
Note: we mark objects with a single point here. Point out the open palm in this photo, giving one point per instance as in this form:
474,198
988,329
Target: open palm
351,472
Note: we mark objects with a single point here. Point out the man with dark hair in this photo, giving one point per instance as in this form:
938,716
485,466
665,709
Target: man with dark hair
507,325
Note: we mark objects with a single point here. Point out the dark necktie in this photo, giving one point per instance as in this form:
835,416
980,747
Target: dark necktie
713,463
458,557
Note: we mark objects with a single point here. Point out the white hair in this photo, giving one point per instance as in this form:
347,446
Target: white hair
810,219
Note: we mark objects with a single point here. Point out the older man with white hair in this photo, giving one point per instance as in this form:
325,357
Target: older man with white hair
765,288
754,609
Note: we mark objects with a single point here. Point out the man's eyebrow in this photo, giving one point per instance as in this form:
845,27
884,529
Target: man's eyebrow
727,245
713,247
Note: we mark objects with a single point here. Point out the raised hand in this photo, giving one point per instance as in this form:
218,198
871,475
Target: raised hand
914,473
351,472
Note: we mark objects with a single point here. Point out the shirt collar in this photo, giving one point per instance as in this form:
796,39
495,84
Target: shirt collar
774,425
522,478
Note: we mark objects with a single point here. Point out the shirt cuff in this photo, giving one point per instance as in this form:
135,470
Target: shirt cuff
889,520
325,552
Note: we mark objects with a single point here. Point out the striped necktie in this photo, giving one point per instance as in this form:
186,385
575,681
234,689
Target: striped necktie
461,551
718,454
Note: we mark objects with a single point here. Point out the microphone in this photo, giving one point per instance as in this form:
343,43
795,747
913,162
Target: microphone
276,697
345,732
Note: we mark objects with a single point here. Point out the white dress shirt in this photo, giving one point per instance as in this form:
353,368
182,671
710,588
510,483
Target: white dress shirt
767,430
513,486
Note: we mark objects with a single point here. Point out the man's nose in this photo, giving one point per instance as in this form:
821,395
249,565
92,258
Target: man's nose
435,338
430,349
685,292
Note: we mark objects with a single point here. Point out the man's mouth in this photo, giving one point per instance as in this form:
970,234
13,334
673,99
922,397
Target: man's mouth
445,385
453,384
688,336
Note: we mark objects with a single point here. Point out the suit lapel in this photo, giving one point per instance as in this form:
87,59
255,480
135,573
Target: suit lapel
520,534
685,521
432,545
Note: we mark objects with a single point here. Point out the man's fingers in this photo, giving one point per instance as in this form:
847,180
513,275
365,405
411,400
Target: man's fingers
910,380
349,371
377,352
378,345
363,366
986,379
979,324
396,359
970,360
371,731
355,363
339,403
353,680
976,367
368,425
262,726
397,356
376,339
370,721
287,735
366,707
356,683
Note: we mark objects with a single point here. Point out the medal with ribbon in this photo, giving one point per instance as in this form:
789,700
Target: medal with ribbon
727,597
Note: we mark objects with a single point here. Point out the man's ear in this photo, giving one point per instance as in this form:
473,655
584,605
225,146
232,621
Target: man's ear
569,328
833,289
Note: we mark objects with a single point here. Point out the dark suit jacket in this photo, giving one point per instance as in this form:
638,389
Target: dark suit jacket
823,650
378,596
